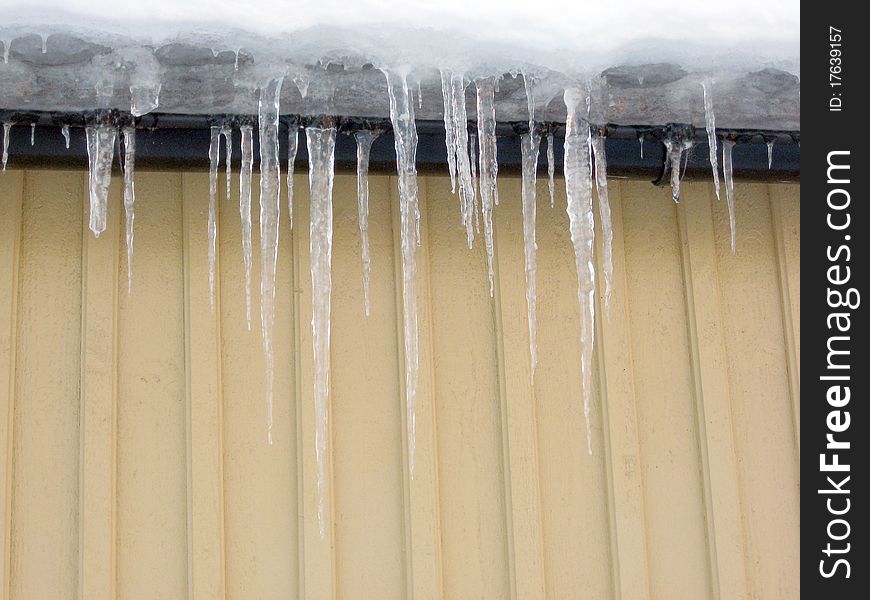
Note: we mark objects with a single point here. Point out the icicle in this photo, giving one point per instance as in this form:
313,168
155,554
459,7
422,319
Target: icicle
7,44
101,153
44,43
214,150
236,61
675,150
578,185
270,211
728,169
528,83
227,132
598,144
7,126
405,131
475,204
640,140
321,157
419,95
364,139
65,132
530,144
32,134
449,131
710,120
245,210
770,154
129,197
551,169
292,147
488,165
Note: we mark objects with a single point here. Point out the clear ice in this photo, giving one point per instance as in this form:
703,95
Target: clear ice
64,130
530,144
598,145
770,154
675,150
488,165
364,139
449,132
292,148
129,197
214,149
710,121
33,134
728,169
459,161
270,211
321,156
405,132
578,185
551,170
227,133
245,210
101,153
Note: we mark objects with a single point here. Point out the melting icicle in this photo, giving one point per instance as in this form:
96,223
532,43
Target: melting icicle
458,160
530,144
6,129
675,150
321,156
405,131
292,147
245,210
270,211
551,169
578,185
528,83
728,169
65,132
364,141
770,154
488,165
475,204
33,134
449,131
214,150
129,197
101,153
710,120
227,132
604,215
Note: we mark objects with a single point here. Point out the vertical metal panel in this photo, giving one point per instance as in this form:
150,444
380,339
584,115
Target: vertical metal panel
134,426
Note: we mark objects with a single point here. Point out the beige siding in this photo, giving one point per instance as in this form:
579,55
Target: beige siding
133,436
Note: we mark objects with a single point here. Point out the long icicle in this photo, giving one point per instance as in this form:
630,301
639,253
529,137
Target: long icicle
7,127
213,158
245,211
449,131
598,149
530,145
405,131
227,133
465,165
488,166
292,148
578,185
728,169
551,169
364,139
270,213
129,197
710,121
101,153
321,156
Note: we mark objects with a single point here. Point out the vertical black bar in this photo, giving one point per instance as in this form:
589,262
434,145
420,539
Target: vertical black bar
834,174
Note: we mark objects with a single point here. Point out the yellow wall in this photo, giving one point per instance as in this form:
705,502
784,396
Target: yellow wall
136,464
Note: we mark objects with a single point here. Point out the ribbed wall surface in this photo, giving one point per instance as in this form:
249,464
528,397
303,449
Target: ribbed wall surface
134,443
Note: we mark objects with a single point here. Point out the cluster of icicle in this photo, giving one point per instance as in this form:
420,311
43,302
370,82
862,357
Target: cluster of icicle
473,166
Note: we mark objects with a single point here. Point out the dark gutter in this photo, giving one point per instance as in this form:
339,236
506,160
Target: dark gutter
169,141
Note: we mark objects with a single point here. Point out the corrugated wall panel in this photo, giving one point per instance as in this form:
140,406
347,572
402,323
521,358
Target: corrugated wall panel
136,462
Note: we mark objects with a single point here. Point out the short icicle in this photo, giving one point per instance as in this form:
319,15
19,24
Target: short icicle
598,149
270,213
129,197
551,169
488,166
530,145
710,121
227,133
364,139
640,141
675,149
245,211
321,156
213,158
101,153
728,169
405,132
7,128
578,185
64,130
770,154
292,149
32,134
